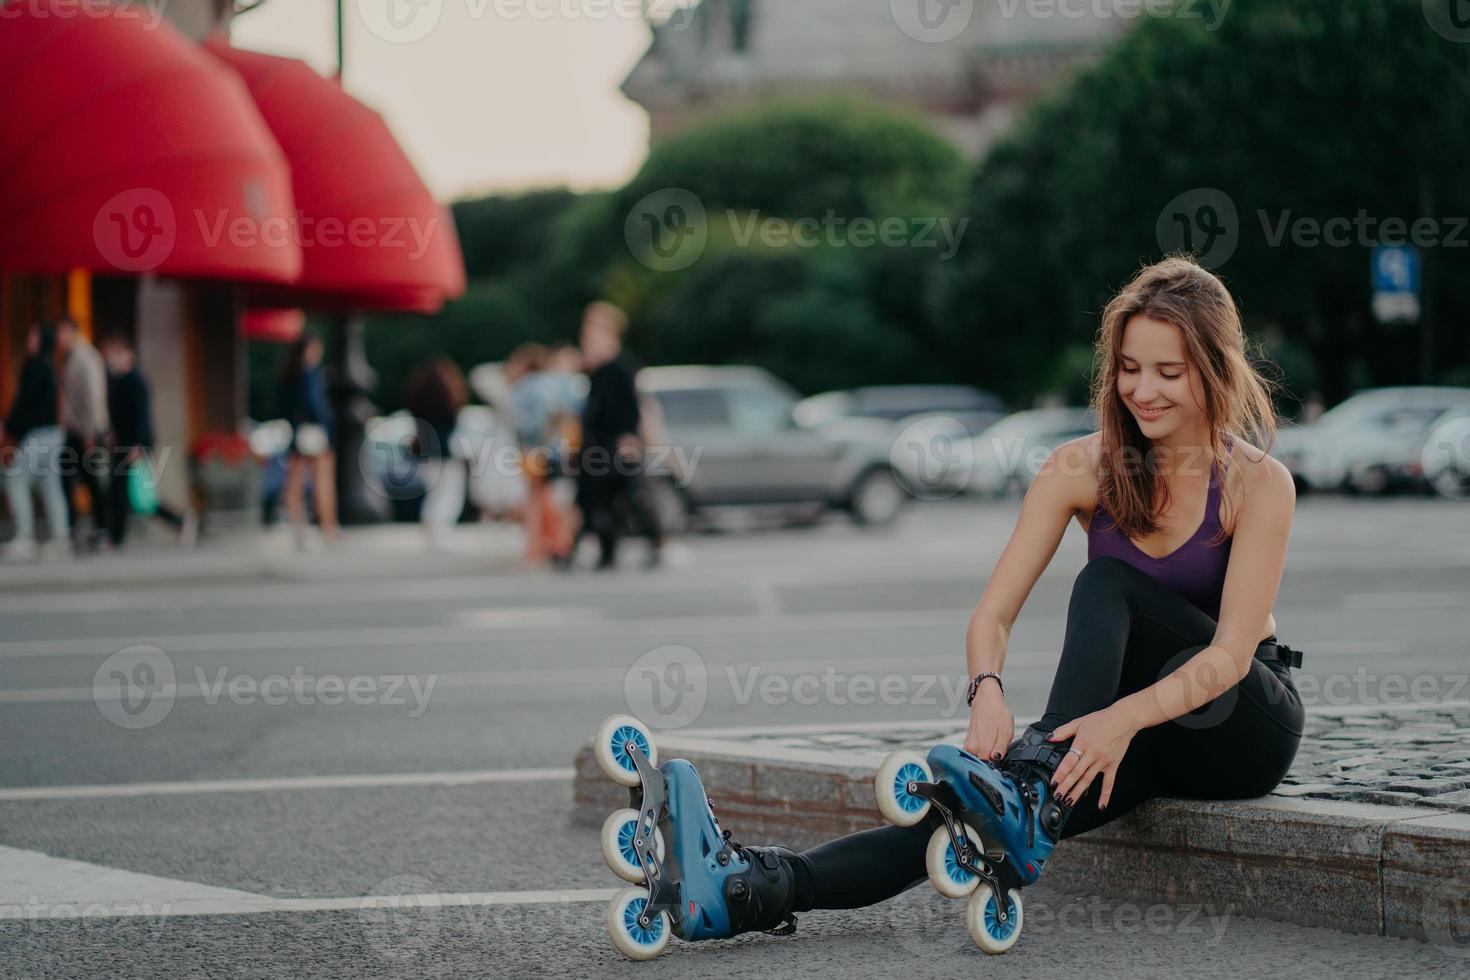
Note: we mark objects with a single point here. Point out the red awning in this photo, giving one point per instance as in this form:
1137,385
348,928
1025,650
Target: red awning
372,236
124,147
274,325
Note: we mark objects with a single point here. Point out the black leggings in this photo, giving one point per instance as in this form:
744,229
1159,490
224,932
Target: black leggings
1125,631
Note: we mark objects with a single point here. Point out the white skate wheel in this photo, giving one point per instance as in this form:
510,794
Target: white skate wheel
636,940
890,786
981,918
618,832
945,873
611,744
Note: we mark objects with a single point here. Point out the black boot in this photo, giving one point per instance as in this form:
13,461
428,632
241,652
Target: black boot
1033,760
763,898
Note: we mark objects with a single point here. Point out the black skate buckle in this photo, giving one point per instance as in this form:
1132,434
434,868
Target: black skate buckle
786,928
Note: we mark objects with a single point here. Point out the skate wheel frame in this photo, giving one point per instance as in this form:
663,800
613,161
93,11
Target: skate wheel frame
636,932
896,774
907,792
632,844
615,737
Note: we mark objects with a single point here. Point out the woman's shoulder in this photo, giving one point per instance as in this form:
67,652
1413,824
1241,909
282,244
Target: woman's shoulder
1071,472
1251,466
1256,475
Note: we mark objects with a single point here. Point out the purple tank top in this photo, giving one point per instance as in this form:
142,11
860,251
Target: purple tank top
1196,569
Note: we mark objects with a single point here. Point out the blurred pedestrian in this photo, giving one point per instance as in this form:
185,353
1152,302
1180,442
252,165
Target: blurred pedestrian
32,440
303,393
84,420
569,385
1313,408
611,458
434,395
543,398
131,442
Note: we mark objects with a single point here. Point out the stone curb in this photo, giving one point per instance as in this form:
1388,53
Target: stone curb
1357,867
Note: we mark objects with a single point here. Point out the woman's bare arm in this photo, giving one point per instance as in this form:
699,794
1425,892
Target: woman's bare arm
1060,488
1055,496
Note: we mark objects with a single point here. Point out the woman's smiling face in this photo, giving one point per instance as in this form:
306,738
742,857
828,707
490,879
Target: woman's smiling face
1157,382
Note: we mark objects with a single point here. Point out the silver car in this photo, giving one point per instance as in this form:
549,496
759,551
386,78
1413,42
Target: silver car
1370,443
903,405
1445,460
733,440
1008,455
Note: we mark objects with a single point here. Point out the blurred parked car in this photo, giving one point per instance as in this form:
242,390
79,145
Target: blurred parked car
736,442
901,405
1371,443
1008,455
1446,457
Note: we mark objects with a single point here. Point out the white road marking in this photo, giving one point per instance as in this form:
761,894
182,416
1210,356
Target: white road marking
1344,648
409,637
1406,600
575,591
524,617
36,886
725,675
268,784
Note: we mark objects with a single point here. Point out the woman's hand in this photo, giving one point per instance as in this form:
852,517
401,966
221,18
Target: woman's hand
1102,738
992,726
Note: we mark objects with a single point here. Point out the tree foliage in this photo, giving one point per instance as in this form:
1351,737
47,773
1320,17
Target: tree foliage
1294,109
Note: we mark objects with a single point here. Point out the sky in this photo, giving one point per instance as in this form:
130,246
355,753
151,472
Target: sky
484,95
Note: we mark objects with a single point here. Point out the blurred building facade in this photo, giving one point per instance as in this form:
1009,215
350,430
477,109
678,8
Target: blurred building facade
258,148
185,330
968,74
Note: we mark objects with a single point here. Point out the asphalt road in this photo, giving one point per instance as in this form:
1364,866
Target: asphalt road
299,756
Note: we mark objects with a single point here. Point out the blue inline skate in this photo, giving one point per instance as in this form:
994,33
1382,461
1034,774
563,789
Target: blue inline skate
693,881
999,825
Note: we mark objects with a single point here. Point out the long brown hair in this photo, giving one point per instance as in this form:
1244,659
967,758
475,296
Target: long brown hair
436,391
1237,398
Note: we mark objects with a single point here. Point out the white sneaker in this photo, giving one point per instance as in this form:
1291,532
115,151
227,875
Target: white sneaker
57,551
18,549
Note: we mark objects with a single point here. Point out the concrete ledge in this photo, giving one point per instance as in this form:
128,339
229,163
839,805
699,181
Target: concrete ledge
1357,867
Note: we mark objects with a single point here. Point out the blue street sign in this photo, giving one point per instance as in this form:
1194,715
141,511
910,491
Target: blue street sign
1395,283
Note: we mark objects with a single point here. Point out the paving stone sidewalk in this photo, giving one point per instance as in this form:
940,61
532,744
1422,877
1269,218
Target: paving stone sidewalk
1370,832
1416,758
1420,758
